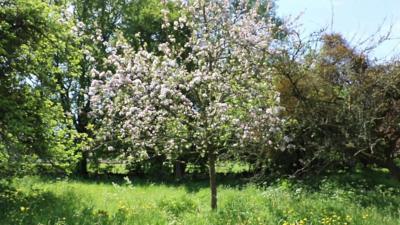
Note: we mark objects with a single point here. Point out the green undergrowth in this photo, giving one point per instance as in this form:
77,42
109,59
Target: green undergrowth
359,198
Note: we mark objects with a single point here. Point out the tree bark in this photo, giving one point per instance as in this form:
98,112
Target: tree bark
80,125
213,180
82,169
179,169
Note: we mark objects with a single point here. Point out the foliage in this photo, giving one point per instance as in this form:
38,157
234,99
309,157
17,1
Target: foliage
373,108
340,109
34,131
99,21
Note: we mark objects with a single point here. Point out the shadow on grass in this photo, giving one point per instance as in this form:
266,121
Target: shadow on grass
41,207
192,182
38,207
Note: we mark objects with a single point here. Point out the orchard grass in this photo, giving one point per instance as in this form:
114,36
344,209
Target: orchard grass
342,198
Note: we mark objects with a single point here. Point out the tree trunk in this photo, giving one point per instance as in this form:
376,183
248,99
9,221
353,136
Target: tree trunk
82,169
213,181
179,169
80,126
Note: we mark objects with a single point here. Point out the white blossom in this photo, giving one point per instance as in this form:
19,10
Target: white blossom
156,101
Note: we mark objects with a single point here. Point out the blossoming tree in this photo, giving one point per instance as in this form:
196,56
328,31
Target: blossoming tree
214,94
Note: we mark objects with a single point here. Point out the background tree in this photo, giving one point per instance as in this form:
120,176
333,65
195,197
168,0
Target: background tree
98,21
32,124
372,113
330,90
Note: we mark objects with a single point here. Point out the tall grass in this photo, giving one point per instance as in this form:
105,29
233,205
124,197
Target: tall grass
330,200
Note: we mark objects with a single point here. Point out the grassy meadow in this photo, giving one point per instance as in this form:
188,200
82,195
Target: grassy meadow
360,198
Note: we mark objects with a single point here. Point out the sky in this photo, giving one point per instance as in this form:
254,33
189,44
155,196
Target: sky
355,19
